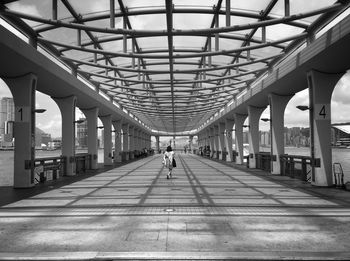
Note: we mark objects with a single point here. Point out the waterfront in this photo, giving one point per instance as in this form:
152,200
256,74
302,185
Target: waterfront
339,155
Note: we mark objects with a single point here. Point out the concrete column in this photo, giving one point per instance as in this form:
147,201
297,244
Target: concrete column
254,114
277,107
107,137
222,145
117,140
146,140
91,117
190,144
199,141
157,144
131,141
228,139
239,121
207,133
67,107
321,86
149,141
140,140
212,139
136,141
216,141
125,128
23,92
142,145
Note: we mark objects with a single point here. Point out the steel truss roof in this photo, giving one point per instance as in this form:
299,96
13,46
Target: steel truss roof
172,64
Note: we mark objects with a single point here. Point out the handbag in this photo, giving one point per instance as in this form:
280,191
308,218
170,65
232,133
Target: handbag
174,163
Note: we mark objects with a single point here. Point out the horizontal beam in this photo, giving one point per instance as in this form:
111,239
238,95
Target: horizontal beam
176,56
188,71
152,11
206,32
233,76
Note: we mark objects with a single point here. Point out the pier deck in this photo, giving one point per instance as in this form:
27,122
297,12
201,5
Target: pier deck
208,210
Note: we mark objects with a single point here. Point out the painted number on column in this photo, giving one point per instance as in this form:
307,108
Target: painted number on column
322,112
22,114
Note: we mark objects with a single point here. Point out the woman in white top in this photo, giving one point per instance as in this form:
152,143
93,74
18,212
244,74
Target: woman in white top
168,158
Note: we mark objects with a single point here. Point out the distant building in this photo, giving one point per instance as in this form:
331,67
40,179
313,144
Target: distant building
102,139
245,137
7,116
55,144
265,139
7,113
340,136
42,139
82,133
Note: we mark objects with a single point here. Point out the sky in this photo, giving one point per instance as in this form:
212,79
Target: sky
50,121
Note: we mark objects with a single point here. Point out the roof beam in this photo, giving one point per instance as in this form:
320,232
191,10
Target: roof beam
169,23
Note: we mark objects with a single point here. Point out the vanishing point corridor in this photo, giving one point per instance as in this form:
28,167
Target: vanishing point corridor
207,210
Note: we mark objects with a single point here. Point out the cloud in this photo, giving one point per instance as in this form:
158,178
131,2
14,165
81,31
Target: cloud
24,8
293,116
52,126
339,105
28,9
4,89
50,121
341,94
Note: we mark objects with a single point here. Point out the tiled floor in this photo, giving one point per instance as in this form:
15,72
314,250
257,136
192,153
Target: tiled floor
133,211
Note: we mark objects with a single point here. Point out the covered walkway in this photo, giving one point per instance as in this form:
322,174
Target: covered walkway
207,211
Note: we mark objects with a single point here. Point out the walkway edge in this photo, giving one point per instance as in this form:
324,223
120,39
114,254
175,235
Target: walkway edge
268,255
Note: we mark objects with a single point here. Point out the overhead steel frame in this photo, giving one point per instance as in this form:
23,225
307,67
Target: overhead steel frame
187,97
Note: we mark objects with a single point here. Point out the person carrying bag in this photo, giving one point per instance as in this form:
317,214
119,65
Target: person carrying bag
169,161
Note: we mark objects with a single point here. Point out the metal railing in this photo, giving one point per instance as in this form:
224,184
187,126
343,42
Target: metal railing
82,162
296,166
50,168
338,175
263,161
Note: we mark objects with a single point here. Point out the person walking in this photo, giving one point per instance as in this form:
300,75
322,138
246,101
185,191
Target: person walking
169,160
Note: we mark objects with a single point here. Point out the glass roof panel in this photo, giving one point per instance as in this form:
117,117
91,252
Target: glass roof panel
150,39
280,31
91,6
143,3
197,21
301,6
256,5
228,44
78,55
148,22
153,42
62,35
32,7
236,20
222,59
184,41
195,2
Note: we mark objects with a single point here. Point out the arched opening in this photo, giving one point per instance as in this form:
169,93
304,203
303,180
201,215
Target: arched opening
100,141
340,120
6,135
47,131
265,131
297,125
80,132
48,138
